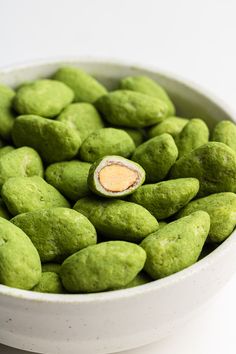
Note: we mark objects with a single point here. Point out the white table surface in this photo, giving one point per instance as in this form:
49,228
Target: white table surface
195,39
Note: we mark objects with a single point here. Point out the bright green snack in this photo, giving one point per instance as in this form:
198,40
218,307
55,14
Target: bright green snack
194,134
51,267
131,109
118,219
105,266
177,245
221,208
84,86
171,125
115,176
164,199
156,156
140,279
6,149
6,113
136,134
45,98
213,164
24,194
49,283
106,141
57,232
225,132
70,178
20,265
22,162
83,117
53,140
3,211
149,87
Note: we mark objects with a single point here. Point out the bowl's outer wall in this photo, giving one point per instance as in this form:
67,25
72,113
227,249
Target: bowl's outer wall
132,317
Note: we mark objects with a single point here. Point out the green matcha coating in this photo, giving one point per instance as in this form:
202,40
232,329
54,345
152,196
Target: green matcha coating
53,140
105,266
3,211
20,265
177,245
171,125
45,98
6,113
221,208
136,134
83,117
22,162
5,150
85,87
225,132
131,109
70,178
24,194
164,199
149,87
156,156
57,232
213,164
194,134
94,182
106,141
140,279
51,267
50,282
118,219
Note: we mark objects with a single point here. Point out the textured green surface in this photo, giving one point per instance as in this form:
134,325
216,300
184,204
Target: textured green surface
24,194
140,279
105,266
118,219
136,134
171,125
222,210
225,132
20,265
132,109
156,156
213,164
83,117
45,98
51,267
70,178
164,199
148,86
6,113
22,162
5,150
53,140
194,134
50,282
106,141
84,86
177,245
57,232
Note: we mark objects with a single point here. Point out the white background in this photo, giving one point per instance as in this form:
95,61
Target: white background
196,39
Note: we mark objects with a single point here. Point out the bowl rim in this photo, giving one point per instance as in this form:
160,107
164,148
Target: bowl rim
155,285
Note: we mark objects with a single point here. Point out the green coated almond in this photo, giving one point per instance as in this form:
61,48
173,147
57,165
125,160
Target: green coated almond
70,178
171,125
106,141
136,134
140,279
6,149
22,162
45,98
105,266
50,282
177,245
225,132
20,265
115,176
118,219
164,199
194,134
131,109
83,117
156,156
57,232
6,114
85,87
53,140
51,267
24,194
213,164
148,86
222,210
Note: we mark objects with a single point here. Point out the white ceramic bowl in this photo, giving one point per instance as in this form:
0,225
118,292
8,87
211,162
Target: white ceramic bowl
117,320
